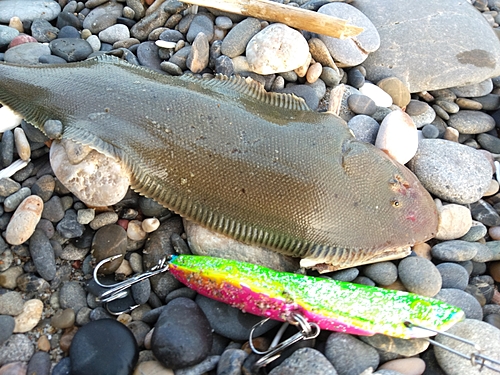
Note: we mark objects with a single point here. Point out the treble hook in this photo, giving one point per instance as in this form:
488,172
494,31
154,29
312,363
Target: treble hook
119,290
307,331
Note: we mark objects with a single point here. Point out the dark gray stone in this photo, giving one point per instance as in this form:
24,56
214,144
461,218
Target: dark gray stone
463,300
69,227
201,23
230,362
102,17
39,364
71,49
103,347
229,321
147,54
453,275
383,273
430,131
420,276
182,335
42,255
347,275
483,212
53,209
454,251
427,62
72,295
476,232
489,142
350,355
365,128
7,324
235,42
362,105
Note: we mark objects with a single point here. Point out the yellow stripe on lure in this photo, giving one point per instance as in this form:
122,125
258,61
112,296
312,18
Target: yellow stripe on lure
333,305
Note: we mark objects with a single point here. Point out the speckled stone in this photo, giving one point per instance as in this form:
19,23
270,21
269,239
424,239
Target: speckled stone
451,171
484,335
277,48
305,361
365,128
17,348
471,122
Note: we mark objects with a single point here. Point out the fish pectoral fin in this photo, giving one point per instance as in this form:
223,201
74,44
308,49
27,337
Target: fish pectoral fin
238,86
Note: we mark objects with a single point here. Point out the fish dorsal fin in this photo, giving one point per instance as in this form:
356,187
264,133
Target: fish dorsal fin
239,86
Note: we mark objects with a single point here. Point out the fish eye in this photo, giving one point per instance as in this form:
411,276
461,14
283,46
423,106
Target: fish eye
395,203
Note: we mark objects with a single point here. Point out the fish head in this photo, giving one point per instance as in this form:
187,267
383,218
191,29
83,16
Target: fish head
385,211
396,203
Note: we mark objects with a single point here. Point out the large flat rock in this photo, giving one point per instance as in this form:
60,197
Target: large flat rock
431,44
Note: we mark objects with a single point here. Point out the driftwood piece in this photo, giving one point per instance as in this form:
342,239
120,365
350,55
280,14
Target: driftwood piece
294,17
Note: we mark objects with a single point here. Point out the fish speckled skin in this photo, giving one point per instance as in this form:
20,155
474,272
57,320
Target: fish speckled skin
259,167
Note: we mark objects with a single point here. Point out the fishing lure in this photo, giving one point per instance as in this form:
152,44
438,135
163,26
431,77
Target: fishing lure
330,304
333,305
310,303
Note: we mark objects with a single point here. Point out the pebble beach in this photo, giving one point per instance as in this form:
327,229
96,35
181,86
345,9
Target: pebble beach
421,82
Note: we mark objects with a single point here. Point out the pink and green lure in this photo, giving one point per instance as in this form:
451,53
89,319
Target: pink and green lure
333,305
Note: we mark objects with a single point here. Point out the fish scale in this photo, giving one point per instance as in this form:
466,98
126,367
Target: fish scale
258,167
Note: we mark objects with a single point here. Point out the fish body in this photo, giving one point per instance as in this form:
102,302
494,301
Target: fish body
258,167
333,305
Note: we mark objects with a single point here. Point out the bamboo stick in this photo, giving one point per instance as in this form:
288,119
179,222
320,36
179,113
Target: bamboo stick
294,17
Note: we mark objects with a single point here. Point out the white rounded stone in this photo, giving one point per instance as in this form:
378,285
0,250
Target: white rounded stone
398,136
114,33
135,231
150,224
454,221
375,93
97,180
276,49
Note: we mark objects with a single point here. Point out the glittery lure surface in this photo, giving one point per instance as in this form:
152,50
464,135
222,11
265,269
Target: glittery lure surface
333,305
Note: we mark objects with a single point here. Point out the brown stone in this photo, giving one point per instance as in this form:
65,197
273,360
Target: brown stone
397,90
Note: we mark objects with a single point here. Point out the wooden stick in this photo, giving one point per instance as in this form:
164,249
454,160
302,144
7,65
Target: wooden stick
295,17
